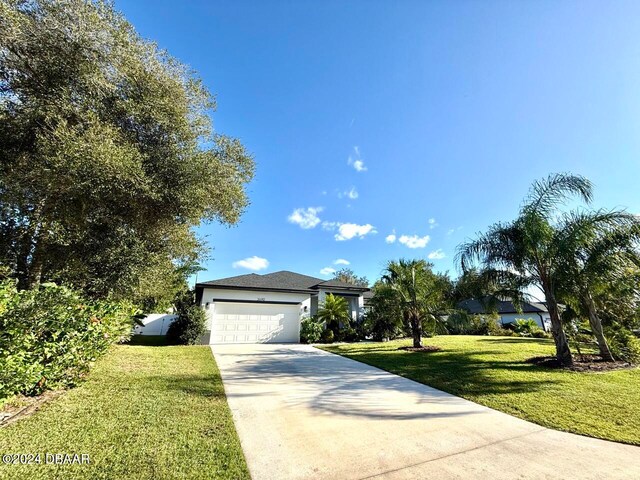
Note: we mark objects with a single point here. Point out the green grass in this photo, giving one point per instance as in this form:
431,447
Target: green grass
144,412
492,371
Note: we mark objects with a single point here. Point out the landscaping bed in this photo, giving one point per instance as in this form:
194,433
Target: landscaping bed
581,363
143,412
494,371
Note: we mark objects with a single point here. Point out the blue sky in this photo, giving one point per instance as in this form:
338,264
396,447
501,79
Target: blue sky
437,116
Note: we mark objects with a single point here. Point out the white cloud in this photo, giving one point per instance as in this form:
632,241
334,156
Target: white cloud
351,193
391,238
450,231
327,271
252,263
436,255
306,218
432,223
347,231
329,226
356,162
341,261
414,241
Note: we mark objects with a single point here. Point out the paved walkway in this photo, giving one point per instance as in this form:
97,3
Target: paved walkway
304,413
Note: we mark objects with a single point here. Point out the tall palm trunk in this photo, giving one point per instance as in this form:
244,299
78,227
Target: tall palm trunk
563,353
596,327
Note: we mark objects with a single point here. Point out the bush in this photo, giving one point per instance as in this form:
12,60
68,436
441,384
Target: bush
463,323
380,325
539,333
310,330
348,334
624,345
189,327
526,327
50,336
327,336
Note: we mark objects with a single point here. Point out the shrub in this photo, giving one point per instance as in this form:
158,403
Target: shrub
525,327
624,345
310,330
463,323
328,336
539,333
50,336
189,327
380,325
348,334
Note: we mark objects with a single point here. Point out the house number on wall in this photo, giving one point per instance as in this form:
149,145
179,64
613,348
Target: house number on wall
261,299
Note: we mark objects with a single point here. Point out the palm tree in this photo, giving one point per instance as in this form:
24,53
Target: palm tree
334,311
601,246
526,250
418,293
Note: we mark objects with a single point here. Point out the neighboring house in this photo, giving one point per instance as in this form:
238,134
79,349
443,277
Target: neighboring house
268,308
508,313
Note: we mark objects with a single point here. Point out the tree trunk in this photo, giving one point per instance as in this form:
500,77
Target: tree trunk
31,258
563,353
416,327
596,328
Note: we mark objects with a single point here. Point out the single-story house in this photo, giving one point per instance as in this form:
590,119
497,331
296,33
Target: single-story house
268,308
508,313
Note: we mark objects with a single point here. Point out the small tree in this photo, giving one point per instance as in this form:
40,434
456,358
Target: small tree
383,319
334,312
189,327
418,294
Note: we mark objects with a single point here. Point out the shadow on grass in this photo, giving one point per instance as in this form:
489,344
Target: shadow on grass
520,340
148,340
460,373
191,384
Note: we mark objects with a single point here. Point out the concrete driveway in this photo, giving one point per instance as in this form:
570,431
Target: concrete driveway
304,413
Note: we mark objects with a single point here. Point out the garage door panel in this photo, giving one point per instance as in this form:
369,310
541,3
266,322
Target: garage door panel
255,323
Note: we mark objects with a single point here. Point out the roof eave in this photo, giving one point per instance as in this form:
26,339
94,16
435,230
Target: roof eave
254,289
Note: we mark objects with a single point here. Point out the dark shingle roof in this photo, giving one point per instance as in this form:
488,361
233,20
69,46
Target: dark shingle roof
283,280
475,306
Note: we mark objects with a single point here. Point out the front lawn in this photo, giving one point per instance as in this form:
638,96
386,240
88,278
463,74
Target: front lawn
144,412
492,371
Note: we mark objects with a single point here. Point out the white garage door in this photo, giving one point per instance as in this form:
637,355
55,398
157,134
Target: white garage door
255,323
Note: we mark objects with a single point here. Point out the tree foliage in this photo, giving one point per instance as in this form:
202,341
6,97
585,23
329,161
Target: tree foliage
411,291
347,275
108,157
542,246
334,312
51,336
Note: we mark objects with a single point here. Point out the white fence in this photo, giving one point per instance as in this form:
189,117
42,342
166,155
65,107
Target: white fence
155,324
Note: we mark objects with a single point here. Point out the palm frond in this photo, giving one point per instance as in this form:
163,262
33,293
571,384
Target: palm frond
547,194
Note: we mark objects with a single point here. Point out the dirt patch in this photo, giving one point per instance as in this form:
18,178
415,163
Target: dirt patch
581,363
425,348
22,407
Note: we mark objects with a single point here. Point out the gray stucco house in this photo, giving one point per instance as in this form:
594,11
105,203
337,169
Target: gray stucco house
268,308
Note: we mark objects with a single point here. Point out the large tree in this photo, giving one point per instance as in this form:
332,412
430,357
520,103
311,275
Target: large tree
601,249
533,249
108,157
